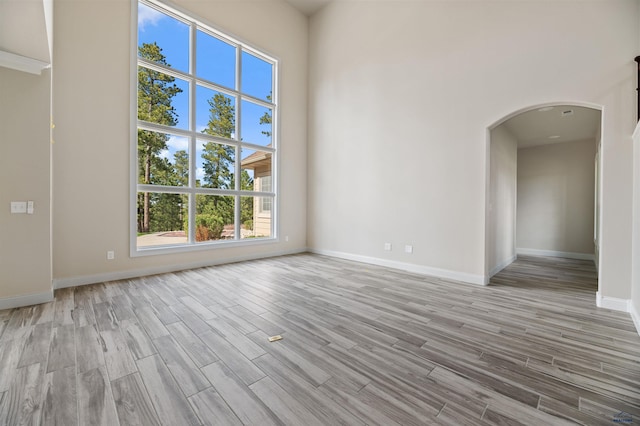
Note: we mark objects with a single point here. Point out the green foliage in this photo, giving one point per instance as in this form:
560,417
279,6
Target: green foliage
219,159
155,92
209,226
166,212
266,119
222,118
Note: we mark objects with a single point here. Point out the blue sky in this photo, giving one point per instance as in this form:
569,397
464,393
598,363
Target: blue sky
215,61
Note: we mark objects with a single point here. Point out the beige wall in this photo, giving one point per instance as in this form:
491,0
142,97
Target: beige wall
91,155
501,232
635,290
400,102
25,240
555,197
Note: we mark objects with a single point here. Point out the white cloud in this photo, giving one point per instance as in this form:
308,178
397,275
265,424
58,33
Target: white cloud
165,154
147,16
177,143
200,174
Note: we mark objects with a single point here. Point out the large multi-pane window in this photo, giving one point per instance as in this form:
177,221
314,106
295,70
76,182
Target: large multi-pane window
205,134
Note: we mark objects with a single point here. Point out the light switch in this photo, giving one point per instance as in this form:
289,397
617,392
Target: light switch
29,207
18,207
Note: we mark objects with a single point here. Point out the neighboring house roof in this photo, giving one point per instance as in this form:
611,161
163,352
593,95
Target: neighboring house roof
257,159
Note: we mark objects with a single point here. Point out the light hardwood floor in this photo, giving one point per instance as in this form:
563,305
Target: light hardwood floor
361,345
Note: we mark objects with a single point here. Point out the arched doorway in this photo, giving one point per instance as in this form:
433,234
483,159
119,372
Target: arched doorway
543,185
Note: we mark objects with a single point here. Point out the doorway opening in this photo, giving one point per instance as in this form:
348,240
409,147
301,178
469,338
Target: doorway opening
543,184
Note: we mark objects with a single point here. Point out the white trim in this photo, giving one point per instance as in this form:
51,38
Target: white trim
635,316
409,267
22,63
555,253
504,118
135,273
613,303
26,300
183,248
499,267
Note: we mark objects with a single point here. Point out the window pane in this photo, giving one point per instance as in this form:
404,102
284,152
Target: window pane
215,113
215,165
215,60
255,165
162,39
264,182
162,219
214,217
256,217
163,159
257,77
162,99
256,124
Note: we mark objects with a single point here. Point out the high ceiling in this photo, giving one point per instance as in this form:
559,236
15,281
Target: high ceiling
557,124
308,7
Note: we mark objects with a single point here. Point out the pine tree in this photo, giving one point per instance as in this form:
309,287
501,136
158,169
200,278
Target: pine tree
218,158
155,93
266,119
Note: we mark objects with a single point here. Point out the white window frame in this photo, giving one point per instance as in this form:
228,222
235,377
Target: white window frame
196,23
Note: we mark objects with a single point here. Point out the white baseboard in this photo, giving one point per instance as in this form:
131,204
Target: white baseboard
554,253
134,273
500,266
614,303
635,316
26,300
622,305
409,267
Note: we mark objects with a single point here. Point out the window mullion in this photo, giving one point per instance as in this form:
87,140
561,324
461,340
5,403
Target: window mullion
238,182
191,210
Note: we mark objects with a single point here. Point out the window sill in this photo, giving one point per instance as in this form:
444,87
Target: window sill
186,248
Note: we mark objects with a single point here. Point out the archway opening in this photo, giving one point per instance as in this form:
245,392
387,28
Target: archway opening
543,184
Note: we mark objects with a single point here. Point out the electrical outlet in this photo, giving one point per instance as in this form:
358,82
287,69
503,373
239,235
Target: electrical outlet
408,249
111,255
387,246
18,207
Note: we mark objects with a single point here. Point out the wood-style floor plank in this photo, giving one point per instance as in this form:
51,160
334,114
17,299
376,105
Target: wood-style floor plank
184,371
285,406
361,345
36,348
96,405
192,345
22,402
117,357
62,348
233,358
242,401
212,410
170,403
132,401
60,398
